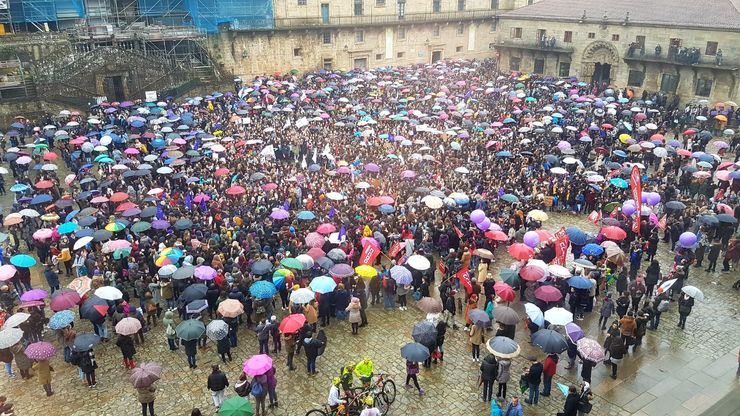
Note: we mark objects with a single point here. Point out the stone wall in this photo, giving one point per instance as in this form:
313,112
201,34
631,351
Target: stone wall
28,109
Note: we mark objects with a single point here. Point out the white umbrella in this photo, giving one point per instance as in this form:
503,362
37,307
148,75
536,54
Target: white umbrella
108,293
559,271
362,185
419,262
558,316
692,291
302,296
335,196
483,253
82,242
432,202
16,319
305,260
558,171
667,285
462,170
167,270
30,213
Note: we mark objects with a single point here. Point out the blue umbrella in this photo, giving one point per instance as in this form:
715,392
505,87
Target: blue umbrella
314,168
512,199
196,306
576,236
61,319
322,284
508,120
262,290
85,232
415,352
305,215
386,209
67,227
41,199
401,275
19,187
619,183
579,282
503,153
261,267
562,387
72,215
592,250
620,153
22,260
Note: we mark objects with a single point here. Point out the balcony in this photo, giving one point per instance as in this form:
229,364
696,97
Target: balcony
377,20
532,46
706,62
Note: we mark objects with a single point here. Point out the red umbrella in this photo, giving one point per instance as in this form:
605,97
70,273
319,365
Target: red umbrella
124,206
236,190
497,235
64,299
689,132
292,323
44,184
544,235
684,152
531,273
118,197
521,251
375,201
504,291
221,172
613,233
48,156
548,294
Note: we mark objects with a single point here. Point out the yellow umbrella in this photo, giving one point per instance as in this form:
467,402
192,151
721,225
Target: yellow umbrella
624,137
366,271
538,215
721,117
731,103
342,163
50,217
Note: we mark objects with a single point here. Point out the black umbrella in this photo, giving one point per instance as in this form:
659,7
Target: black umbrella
183,224
727,218
94,308
184,272
549,341
193,292
101,235
675,205
148,212
505,315
415,352
261,267
424,333
85,342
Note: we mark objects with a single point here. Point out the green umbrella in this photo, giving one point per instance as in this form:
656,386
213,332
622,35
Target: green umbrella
291,263
99,157
610,206
519,85
190,330
236,406
122,253
509,276
294,71
141,226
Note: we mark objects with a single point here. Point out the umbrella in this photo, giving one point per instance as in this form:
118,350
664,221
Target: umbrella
692,291
128,326
22,260
366,271
424,332
549,341
291,263
579,282
236,406
576,236
336,254
592,250
322,284
258,365
520,251
193,292
108,293
190,329
145,374
402,275
505,315
205,273
261,267
10,337
81,285
548,294
217,330
419,262
85,342
292,323
558,316
677,205
61,319
40,351
302,296
262,289
196,306
483,253
184,272
16,319
534,314
34,294
573,331
415,352
504,291
230,308
480,318
590,350
430,305
503,347
613,233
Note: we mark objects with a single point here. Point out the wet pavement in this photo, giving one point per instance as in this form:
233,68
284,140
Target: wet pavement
675,372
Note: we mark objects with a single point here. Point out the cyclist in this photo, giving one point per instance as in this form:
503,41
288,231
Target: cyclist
334,400
364,369
369,409
347,379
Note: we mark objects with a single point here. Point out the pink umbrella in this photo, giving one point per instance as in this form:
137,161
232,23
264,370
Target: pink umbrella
99,200
372,167
315,253
64,299
369,240
131,151
326,228
205,273
236,190
269,186
548,294
201,197
314,240
279,214
386,200
118,244
70,178
40,351
43,234
258,365
408,174
34,294
344,170
128,326
7,272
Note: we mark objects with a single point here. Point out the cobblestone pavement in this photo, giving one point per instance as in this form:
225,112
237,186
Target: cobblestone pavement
674,373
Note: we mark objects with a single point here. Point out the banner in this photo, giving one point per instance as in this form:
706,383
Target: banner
369,254
562,242
395,249
464,276
594,217
663,222
636,185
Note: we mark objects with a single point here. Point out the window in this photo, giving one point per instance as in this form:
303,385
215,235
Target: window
302,2
568,36
460,29
401,33
492,46
458,49
327,64
296,52
399,55
640,40
435,31
359,9
494,4
378,56
591,35
460,5
359,36
327,38
436,6
703,87
514,63
530,2
669,83
494,25
564,69
635,78
676,42
401,9
711,48
539,66
516,33
379,3
615,38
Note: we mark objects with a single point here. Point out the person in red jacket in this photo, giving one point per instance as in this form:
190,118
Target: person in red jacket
550,367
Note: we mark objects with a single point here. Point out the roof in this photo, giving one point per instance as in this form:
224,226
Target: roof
715,14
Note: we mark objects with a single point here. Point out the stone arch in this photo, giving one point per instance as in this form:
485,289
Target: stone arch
598,52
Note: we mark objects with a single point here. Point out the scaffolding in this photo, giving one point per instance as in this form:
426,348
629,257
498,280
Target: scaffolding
208,15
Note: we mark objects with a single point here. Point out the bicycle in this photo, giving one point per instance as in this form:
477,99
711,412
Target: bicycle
383,392
353,407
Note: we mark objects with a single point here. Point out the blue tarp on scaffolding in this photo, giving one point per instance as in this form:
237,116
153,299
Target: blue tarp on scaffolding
207,15
40,11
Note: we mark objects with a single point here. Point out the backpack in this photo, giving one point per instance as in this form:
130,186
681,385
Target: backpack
257,389
663,305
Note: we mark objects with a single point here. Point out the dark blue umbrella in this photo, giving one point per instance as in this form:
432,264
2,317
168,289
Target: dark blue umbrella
41,199
193,292
196,306
549,341
576,236
415,352
85,342
579,282
261,267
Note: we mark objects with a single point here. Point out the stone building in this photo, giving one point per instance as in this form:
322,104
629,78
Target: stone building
345,34
684,48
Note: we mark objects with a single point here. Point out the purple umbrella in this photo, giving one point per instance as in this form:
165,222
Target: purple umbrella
40,351
279,214
160,225
574,331
342,270
205,273
408,174
34,294
372,167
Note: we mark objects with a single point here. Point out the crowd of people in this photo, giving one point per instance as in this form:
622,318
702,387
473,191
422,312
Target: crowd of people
297,199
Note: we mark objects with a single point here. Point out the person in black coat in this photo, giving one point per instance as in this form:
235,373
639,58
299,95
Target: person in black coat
223,346
570,408
685,303
86,361
312,348
126,344
586,369
441,332
623,304
488,374
652,276
325,309
534,377
341,298
191,348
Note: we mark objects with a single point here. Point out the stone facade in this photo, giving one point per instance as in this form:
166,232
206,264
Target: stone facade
593,43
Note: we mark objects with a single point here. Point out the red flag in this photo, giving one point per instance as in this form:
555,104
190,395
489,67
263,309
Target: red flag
562,242
369,254
442,268
594,217
720,195
663,222
464,276
395,249
636,185
457,231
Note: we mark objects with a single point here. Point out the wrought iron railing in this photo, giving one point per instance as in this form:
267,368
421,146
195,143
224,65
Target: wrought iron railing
384,19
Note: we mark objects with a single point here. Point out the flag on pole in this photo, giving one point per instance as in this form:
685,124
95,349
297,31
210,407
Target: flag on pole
464,276
636,185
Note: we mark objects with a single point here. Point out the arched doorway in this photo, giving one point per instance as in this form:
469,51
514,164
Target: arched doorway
599,62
